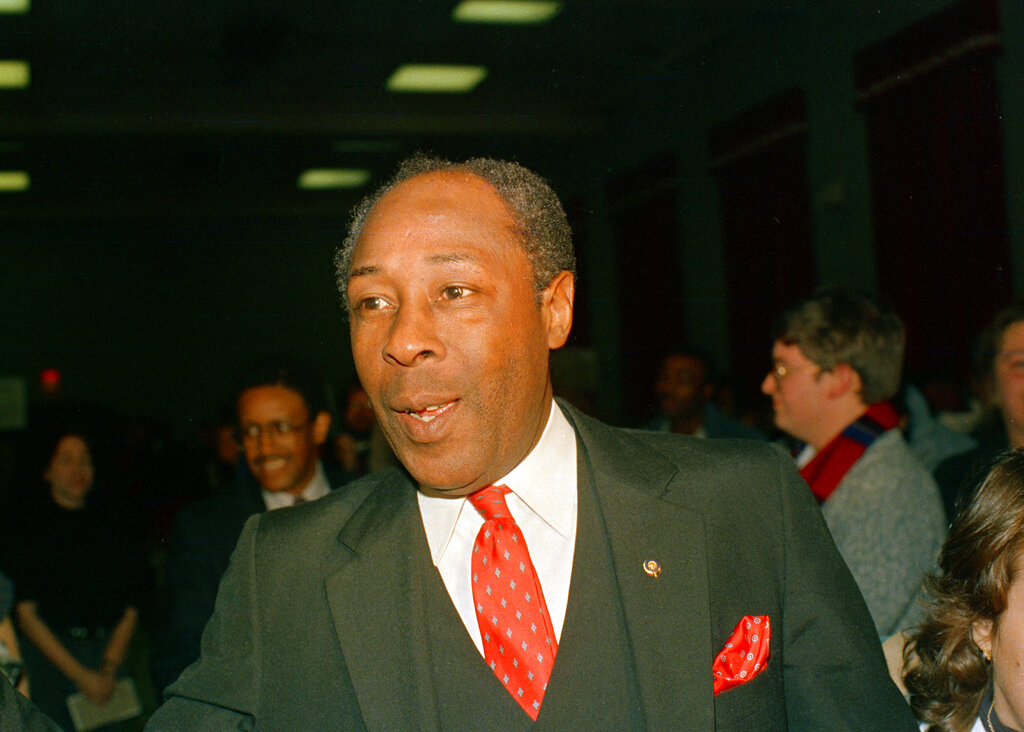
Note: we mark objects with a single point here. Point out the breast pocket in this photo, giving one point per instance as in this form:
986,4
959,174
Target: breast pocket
758,704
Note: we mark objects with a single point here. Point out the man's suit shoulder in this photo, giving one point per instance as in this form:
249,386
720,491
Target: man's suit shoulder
705,475
299,533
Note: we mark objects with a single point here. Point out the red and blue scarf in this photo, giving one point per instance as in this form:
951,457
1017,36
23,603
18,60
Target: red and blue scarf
824,472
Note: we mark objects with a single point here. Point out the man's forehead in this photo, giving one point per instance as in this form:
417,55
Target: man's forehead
440,185
445,217
266,396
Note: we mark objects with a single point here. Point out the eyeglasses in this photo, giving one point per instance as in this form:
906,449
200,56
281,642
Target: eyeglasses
780,371
276,429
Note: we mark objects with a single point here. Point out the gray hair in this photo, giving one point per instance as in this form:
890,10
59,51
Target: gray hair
540,222
837,326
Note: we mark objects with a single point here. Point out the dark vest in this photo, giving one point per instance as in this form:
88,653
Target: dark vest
593,685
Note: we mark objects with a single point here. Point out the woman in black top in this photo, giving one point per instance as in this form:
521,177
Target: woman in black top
76,585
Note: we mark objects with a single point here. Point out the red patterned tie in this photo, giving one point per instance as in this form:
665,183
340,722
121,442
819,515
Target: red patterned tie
519,641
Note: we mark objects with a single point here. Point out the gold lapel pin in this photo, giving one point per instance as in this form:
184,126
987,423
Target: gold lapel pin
652,567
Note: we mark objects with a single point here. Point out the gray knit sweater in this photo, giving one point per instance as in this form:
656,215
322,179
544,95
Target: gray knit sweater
887,520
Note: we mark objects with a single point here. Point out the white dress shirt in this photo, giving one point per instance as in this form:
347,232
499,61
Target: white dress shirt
542,501
318,487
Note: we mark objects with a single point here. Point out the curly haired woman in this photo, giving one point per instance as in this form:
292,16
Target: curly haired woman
965,661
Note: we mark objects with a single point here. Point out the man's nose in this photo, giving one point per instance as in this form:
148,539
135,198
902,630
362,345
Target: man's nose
264,441
768,385
414,335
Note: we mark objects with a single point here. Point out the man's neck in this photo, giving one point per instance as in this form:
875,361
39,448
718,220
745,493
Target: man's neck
834,420
281,499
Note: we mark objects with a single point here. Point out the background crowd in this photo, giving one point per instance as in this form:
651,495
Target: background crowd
115,535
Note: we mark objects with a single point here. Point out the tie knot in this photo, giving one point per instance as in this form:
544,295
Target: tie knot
490,502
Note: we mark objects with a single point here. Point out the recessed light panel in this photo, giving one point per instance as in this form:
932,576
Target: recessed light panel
13,180
13,74
324,178
14,6
440,78
505,11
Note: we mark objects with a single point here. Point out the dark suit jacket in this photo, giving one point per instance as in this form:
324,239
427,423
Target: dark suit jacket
320,625
18,714
200,546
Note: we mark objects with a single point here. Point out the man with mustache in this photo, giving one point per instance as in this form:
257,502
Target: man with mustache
282,423
527,565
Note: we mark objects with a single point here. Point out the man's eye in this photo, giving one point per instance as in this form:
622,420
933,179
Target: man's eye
454,292
370,303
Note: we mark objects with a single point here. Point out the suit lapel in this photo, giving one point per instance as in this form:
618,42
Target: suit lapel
667,616
377,604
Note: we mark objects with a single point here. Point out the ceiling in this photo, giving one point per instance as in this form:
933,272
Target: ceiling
162,109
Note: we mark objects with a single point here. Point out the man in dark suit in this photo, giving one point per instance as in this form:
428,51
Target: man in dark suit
282,423
18,714
367,609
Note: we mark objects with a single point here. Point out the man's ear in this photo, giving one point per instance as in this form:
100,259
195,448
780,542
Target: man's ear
556,304
321,426
843,379
981,634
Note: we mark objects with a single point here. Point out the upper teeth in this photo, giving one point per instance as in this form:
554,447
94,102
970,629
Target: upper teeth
425,413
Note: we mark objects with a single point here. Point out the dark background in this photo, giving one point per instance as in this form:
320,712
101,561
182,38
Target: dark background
718,159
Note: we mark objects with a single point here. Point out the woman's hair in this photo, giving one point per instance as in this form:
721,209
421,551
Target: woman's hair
976,567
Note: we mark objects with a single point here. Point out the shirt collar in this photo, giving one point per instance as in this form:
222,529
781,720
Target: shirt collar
544,481
318,487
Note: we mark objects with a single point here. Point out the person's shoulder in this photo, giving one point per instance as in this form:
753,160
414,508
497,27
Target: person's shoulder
717,424
890,452
890,477
304,538
685,448
699,472
337,505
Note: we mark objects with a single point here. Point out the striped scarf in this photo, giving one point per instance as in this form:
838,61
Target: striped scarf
824,472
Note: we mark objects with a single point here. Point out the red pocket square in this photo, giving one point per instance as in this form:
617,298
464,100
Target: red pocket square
744,655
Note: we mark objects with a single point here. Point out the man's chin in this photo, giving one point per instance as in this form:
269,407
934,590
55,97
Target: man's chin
278,487
439,478
448,492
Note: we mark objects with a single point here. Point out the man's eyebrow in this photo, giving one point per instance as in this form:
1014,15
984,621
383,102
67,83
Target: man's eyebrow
365,271
433,259
451,258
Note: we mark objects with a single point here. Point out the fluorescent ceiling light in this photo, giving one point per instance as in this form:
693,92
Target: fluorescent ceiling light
14,6
505,11
436,78
13,180
321,178
13,74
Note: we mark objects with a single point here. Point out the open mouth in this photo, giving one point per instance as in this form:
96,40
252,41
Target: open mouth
429,413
